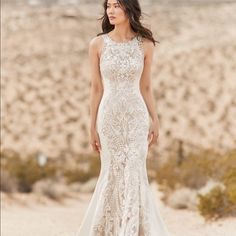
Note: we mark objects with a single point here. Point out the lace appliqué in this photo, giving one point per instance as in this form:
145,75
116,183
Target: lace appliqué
123,124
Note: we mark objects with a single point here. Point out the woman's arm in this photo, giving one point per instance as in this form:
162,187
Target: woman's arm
146,89
96,90
145,81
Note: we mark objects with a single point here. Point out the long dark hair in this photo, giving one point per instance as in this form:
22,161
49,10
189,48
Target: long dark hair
133,11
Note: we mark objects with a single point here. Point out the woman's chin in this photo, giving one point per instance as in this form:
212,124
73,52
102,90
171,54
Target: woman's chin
112,22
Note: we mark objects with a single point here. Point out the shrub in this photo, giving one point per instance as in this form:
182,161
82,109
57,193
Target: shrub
54,190
215,204
229,180
231,193
167,174
192,173
78,174
8,183
195,171
26,171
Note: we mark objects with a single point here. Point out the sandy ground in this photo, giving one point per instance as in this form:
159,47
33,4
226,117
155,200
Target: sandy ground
27,215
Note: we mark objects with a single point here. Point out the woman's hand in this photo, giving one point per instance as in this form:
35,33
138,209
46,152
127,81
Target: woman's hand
95,141
153,133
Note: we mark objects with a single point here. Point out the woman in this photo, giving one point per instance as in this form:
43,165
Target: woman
121,131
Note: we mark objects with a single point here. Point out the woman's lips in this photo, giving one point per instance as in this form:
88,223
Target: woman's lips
111,17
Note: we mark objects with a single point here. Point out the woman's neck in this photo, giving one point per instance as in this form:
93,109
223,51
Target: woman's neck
122,33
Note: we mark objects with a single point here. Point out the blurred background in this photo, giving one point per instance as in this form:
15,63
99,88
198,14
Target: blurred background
45,87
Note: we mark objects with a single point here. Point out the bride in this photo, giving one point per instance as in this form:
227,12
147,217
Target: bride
121,130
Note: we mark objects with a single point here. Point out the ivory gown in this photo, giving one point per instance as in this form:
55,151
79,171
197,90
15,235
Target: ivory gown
122,203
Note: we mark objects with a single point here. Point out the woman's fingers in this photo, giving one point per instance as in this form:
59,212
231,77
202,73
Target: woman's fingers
98,146
95,142
151,141
98,142
94,146
154,137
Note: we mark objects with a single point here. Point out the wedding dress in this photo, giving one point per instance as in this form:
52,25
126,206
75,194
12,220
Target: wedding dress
122,203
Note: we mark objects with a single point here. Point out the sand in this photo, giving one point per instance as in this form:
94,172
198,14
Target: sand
29,215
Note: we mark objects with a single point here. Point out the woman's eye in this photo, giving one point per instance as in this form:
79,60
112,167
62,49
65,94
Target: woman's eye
116,6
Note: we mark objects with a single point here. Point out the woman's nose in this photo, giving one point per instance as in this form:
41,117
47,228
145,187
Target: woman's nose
111,10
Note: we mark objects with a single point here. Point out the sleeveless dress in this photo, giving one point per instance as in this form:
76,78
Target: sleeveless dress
122,203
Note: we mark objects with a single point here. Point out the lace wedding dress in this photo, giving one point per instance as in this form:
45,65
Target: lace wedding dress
122,203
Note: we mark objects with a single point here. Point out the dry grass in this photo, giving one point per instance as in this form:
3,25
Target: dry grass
79,174
194,172
25,171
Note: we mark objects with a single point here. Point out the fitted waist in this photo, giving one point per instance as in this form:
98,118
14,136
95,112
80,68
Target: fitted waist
124,89
121,92
123,102
129,96
121,84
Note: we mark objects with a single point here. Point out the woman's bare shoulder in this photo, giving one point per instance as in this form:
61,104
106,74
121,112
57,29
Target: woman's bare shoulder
96,42
147,43
148,46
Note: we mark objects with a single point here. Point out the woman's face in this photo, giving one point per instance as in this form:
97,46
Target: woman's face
115,12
